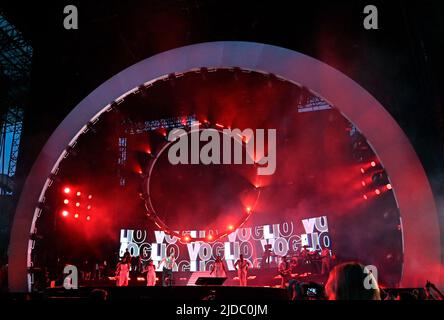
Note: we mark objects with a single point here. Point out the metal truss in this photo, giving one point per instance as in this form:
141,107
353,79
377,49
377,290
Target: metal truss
15,69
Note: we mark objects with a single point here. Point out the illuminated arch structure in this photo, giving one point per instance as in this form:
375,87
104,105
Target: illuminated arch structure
421,234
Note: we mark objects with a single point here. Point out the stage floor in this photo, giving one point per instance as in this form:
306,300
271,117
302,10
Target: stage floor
190,293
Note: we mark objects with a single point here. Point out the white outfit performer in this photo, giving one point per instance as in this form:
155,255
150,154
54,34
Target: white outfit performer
151,275
122,273
242,270
218,268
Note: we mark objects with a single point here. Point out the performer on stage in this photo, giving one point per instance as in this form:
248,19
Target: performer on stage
167,271
242,266
218,268
151,274
325,256
284,270
122,272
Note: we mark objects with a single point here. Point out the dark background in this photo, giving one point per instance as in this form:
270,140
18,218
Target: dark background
400,64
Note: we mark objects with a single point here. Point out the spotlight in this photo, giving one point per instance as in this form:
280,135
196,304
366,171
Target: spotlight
186,238
365,197
90,197
230,227
66,201
388,186
79,193
362,170
373,164
65,213
88,218
378,192
88,207
248,209
67,190
77,204
210,237
76,216
363,183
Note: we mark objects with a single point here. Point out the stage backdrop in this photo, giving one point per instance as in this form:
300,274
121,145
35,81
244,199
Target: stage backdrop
285,238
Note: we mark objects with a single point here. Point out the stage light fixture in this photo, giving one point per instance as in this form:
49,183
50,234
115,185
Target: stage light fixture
66,201
248,209
90,197
362,170
388,186
363,183
88,207
373,164
88,218
378,192
78,204
210,237
365,197
76,216
67,190
65,213
230,227
79,193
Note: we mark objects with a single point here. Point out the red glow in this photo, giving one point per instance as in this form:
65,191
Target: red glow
78,204
65,213
363,183
79,193
210,237
230,227
248,209
186,238
365,197
362,170
66,201
67,190
219,125
389,186
90,197
88,207
88,218
373,164
76,215
378,192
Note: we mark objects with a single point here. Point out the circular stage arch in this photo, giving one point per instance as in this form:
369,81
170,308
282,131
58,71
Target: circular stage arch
421,234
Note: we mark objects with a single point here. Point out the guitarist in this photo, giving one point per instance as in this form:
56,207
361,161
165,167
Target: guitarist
284,270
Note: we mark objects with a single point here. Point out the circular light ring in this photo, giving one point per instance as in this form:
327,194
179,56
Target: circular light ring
152,212
387,139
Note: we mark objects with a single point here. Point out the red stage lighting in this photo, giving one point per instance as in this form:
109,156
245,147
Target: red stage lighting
219,125
76,215
365,197
186,238
88,218
362,170
66,190
378,192
373,164
66,201
230,227
88,207
388,186
363,183
77,204
79,193
90,197
210,237
249,209
65,213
